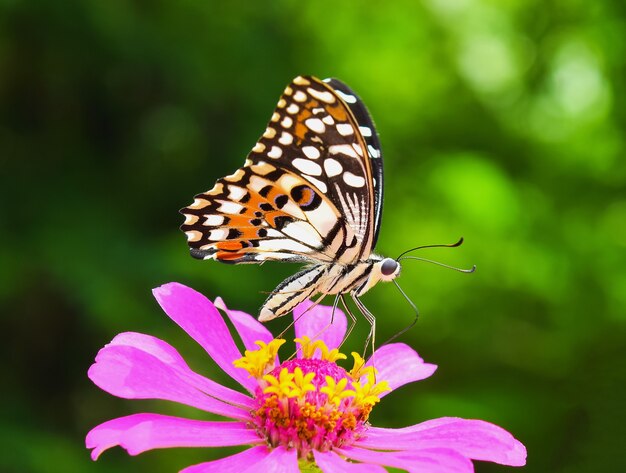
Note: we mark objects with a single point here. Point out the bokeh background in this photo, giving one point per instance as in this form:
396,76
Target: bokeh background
501,121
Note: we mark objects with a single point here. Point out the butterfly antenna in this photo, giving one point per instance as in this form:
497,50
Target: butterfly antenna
453,245
460,270
412,324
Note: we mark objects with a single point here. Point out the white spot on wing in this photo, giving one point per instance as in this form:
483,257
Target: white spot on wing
299,96
236,176
199,204
217,189
346,97
230,208
286,138
259,148
193,235
213,220
315,124
236,193
353,180
287,122
262,168
257,183
308,167
323,96
343,149
218,234
332,167
311,152
345,129
373,152
275,152
328,120
190,219
293,108
365,130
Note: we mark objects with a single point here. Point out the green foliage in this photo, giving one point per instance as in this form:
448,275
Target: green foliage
500,121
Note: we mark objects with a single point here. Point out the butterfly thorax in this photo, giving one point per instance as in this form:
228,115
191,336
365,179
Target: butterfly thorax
360,277
329,278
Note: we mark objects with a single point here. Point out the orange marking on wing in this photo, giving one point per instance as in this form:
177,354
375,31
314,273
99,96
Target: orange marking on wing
255,200
229,245
249,233
301,128
338,113
221,255
240,221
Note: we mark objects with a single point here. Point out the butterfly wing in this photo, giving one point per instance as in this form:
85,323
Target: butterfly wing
374,150
306,192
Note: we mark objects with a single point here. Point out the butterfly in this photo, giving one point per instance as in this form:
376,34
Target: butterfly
310,191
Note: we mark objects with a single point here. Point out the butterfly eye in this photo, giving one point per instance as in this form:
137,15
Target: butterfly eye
388,267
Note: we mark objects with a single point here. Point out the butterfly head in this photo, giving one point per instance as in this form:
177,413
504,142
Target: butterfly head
389,269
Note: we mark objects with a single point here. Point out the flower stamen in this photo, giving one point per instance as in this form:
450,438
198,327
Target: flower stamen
311,403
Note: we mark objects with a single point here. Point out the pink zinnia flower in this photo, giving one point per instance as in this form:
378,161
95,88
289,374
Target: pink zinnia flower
305,410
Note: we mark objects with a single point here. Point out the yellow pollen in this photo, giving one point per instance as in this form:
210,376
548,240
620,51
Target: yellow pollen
308,347
258,362
368,393
359,369
349,421
336,390
282,386
302,383
331,355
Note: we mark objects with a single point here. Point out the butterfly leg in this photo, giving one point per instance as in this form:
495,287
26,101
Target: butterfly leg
350,314
371,320
327,326
295,320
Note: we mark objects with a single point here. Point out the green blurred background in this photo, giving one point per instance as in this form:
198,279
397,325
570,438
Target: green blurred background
501,121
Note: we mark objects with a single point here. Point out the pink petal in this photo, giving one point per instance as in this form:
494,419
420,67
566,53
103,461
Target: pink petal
233,464
279,460
316,323
475,439
167,354
131,373
433,460
140,432
250,329
398,364
197,316
330,462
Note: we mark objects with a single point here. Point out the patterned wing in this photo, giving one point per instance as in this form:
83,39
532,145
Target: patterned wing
374,151
306,192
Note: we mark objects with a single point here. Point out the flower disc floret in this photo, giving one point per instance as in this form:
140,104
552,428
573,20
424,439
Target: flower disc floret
311,403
